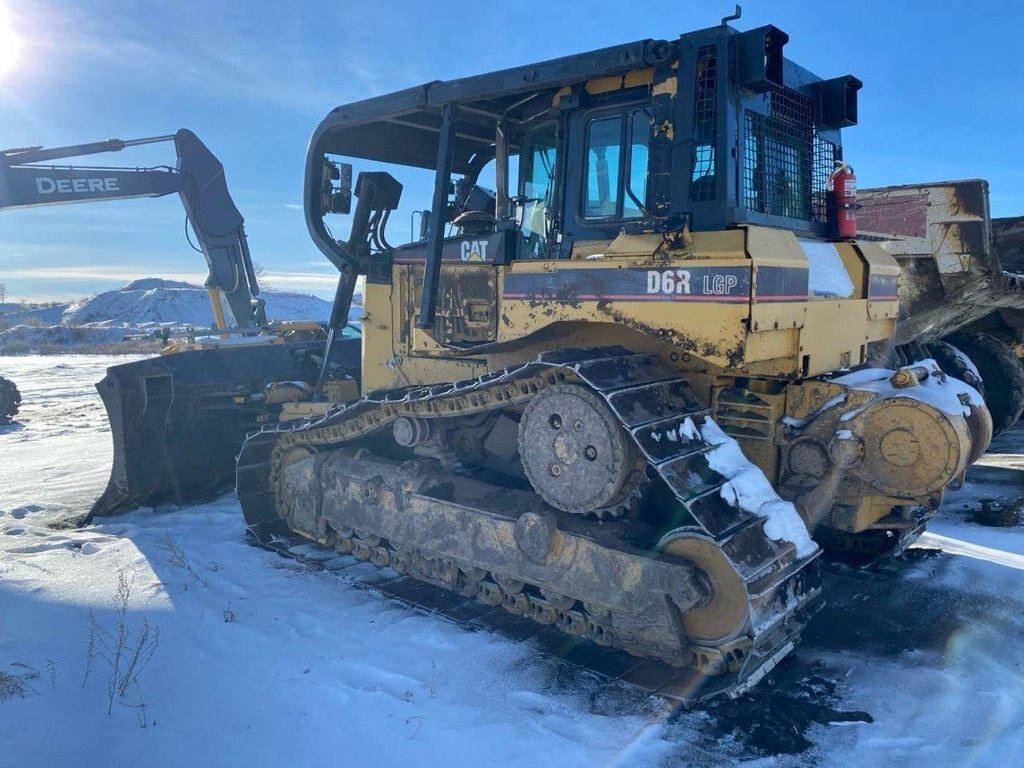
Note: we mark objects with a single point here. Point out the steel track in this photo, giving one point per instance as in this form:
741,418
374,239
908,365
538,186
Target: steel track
579,655
657,408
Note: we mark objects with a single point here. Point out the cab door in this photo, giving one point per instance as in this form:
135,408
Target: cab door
608,146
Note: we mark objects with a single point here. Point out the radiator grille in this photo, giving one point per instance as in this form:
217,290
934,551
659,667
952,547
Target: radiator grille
825,155
786,164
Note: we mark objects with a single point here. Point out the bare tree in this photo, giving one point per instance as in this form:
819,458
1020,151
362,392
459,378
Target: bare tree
125,649
261,274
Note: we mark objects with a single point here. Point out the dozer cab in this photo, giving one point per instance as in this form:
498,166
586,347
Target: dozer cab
624,371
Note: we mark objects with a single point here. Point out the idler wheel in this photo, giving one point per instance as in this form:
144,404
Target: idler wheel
575,453
726,612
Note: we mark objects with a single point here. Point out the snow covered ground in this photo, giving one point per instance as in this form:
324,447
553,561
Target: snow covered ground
264,662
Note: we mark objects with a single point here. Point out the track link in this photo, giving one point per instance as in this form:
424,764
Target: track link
580,654
776,591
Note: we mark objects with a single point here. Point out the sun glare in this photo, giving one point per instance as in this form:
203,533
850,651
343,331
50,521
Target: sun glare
10,44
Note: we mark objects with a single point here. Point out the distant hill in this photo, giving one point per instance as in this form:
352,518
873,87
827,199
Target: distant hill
36,314
140,308
153,301
148,283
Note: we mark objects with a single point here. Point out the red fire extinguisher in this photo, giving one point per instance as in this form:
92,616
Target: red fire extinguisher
842,202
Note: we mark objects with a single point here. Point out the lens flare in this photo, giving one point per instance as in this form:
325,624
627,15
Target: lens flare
10,44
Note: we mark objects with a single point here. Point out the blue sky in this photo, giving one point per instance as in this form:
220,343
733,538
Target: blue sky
943,98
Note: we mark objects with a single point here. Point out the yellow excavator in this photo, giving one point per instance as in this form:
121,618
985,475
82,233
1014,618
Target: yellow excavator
633,390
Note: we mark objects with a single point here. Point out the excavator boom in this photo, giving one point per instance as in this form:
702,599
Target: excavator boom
33,186
197,178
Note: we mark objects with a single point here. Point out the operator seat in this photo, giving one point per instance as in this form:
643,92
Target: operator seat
475,222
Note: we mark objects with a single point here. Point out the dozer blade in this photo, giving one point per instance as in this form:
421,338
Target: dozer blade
177,421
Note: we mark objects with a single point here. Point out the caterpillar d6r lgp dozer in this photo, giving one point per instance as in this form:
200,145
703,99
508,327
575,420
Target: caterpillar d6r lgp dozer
594,399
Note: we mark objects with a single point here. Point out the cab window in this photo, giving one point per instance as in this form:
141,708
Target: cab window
536,190
635,199
615,180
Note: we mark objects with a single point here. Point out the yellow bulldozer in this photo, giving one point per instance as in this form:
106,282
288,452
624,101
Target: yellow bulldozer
627,378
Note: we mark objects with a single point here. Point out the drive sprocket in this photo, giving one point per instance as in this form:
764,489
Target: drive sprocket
575,453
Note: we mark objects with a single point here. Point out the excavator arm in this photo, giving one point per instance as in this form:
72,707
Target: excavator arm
27,181
178,420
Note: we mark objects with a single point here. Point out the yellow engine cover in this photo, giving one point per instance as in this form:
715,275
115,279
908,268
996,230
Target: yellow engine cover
749,301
